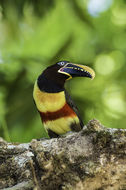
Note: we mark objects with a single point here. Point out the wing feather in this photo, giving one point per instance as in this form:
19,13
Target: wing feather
74,107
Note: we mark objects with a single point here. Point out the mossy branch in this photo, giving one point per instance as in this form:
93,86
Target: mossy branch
94,158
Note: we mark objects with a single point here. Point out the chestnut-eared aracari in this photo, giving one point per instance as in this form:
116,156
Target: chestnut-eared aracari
57,110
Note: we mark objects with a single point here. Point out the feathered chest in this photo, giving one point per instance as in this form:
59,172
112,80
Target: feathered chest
55,112
48,102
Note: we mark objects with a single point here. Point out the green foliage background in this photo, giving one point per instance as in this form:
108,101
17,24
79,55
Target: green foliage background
35,34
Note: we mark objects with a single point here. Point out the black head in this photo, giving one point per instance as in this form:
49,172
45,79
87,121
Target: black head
52,74
64,70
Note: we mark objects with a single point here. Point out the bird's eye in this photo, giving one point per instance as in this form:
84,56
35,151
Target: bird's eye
62,63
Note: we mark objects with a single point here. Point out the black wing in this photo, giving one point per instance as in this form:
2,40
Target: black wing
74,107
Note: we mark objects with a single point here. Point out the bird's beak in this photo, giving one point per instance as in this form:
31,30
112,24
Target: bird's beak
77,70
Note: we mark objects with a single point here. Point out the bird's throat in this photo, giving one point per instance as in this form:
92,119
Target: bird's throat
48,102
49,86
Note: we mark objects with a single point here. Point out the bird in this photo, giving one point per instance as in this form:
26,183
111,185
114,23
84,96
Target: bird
58,112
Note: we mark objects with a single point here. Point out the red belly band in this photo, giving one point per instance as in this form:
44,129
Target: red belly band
65,111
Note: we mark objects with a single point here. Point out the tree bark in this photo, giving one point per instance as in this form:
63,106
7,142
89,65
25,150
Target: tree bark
93,159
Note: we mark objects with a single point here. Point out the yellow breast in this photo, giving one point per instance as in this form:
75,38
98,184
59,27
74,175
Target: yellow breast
48,101
62,125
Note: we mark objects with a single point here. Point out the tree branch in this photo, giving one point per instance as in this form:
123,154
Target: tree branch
94,158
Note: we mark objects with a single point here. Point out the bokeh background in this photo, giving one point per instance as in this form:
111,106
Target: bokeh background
37,33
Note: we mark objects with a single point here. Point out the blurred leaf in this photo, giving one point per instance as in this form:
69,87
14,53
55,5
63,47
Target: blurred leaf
35,34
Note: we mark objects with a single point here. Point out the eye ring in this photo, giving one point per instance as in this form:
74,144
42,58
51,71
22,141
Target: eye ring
62,63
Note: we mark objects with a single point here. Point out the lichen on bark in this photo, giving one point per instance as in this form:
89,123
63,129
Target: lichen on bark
94,158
